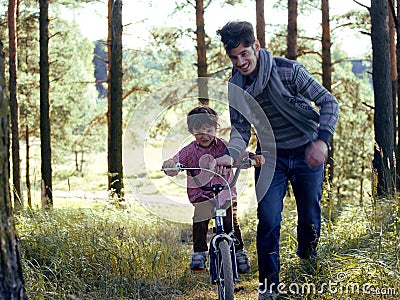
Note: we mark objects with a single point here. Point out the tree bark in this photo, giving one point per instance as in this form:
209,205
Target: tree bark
45,135
292,30
27,176
109,144
11,278
327,71
201,53
383,117
14,112
326,47
115,157
393,65
260,22
398,92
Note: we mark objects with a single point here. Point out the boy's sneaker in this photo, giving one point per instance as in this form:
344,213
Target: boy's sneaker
267,295
198,263
242,261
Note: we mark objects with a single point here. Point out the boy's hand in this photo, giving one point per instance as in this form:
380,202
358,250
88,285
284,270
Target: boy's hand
170,164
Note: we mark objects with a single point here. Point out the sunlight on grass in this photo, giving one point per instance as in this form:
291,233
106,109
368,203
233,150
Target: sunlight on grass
109,253
85,248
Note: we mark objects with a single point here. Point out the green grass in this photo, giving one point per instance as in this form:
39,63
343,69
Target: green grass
109,253
85,248
100,254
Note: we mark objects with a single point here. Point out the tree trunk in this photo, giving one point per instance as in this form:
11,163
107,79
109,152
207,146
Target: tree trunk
27,176
110,151
260,22
11,279
383,118
292,30
201,53
45,104
398,92
115,157
393,64
327,70
14,113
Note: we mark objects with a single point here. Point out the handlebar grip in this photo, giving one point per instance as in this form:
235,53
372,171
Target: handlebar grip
252,162
178,167
248,162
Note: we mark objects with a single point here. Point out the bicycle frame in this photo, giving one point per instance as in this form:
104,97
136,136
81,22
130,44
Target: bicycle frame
213,248
223,268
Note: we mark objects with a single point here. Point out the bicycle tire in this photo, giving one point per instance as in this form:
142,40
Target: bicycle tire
225,284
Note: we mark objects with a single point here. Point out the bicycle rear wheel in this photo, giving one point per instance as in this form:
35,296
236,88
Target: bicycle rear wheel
225,284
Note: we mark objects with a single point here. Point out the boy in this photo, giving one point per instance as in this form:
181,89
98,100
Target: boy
202,123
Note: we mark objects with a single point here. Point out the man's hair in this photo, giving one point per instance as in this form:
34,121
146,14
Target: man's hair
202,116
236,32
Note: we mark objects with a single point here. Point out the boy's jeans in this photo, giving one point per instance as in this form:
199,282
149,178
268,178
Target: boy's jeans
200,228
307,188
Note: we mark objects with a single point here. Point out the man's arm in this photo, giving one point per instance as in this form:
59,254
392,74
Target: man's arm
308,87
239,136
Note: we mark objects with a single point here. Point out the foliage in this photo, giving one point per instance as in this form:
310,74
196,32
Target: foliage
72,95
354,139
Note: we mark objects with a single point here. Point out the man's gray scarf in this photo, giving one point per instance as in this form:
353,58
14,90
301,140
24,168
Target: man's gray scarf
296,110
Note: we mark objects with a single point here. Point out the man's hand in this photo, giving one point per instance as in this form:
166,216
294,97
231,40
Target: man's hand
259,160
221,164
316,153
170,164
225,160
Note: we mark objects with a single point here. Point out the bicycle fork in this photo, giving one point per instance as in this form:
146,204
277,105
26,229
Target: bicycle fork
214,255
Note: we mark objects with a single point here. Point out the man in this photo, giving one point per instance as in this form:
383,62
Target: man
283,90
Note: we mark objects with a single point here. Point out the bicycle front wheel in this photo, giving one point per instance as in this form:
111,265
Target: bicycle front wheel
225,282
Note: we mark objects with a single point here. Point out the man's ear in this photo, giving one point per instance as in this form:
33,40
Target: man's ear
257,45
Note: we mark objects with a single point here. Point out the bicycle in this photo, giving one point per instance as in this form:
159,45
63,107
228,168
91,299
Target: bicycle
222,258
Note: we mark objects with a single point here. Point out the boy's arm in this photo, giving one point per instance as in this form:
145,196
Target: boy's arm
181,157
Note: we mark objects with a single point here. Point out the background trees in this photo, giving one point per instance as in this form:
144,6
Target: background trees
57,77
163,60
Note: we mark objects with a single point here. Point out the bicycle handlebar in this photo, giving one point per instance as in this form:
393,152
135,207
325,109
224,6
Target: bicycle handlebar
216,188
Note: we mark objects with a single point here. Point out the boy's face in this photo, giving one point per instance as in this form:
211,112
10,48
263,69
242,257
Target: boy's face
204,135
244,59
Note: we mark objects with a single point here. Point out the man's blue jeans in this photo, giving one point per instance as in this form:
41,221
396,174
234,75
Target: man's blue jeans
307,188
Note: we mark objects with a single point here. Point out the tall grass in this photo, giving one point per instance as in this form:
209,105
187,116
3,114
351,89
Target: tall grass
109,253
100,254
